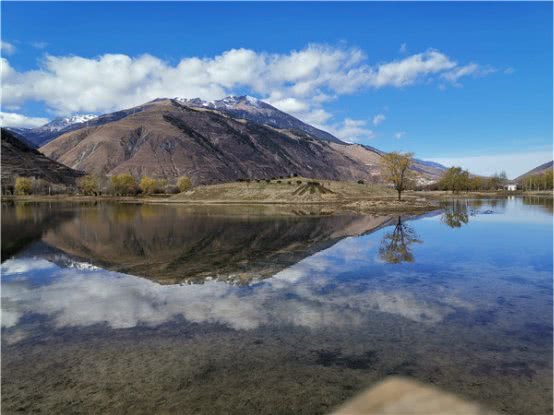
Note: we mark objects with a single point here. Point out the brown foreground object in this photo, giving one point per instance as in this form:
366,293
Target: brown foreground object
401,396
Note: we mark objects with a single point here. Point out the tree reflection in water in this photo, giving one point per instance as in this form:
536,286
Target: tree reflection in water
395,245
456,214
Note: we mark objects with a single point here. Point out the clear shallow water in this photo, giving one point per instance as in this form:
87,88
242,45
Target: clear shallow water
145,309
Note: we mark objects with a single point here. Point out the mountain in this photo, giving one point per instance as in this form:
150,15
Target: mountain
537,170
257,111
20,159
42,135
214,142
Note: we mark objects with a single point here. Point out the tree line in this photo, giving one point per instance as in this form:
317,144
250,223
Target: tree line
540,181
457,180
91,185
397,171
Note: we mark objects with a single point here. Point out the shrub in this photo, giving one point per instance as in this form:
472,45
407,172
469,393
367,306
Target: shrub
268,180
279,181
88,185
299,182
361,182
148,185
123,185
23,185
184,184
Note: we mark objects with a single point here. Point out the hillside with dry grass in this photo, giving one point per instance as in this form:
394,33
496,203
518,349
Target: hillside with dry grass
287,190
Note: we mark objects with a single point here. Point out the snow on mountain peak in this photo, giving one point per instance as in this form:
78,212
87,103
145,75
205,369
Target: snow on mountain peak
227,102
61,123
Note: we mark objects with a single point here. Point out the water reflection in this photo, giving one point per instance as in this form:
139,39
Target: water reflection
346,305
544,202
173,244
395,245
456,213
24,223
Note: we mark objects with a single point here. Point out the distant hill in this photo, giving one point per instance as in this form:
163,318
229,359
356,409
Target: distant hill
537,170
20,159
42,135
214,142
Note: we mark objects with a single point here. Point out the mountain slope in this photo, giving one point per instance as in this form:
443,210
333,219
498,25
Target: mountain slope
20,159
537,170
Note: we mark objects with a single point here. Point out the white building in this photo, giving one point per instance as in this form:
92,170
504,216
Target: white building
510,187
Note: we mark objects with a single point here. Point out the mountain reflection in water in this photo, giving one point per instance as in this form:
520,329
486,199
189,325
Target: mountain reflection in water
172,244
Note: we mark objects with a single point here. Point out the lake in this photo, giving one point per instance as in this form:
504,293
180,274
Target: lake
122,308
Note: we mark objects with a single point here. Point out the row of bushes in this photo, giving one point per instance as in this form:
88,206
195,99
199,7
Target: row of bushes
126,185
90,185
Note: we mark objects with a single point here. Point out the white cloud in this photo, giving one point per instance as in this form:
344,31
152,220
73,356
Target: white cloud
39,45
11,119
411,69
514,164
6,48
398,135
378,119
471,69
351,131
299,82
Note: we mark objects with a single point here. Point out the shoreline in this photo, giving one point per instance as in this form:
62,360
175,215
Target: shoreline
410,204
413,202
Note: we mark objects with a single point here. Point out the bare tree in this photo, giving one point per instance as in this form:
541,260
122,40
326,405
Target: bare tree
396,167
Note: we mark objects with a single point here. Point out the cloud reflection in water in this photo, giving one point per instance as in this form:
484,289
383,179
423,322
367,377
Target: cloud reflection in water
305,294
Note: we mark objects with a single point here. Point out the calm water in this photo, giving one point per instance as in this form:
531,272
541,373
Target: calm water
167,309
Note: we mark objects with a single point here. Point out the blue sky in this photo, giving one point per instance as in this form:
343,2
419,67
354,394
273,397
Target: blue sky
461,83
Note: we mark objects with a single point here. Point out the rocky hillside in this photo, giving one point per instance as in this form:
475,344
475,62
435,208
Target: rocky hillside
214,142
20,159
537,170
